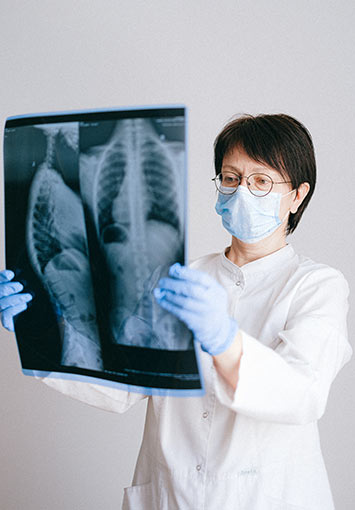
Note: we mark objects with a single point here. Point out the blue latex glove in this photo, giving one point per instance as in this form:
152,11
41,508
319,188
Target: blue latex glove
11,302
201,303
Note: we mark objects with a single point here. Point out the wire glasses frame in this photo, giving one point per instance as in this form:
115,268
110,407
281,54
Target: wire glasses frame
257,182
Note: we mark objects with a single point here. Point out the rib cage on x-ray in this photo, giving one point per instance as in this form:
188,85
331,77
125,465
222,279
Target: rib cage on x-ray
56,242
130,188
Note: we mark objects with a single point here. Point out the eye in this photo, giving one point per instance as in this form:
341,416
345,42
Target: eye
261,181
230,180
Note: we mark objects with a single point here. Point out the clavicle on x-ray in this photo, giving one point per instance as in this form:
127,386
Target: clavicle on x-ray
104,218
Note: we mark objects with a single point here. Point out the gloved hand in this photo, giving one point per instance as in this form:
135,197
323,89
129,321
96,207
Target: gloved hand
201,303
11,302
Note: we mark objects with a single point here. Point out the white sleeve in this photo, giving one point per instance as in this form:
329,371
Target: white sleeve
290,383
103,397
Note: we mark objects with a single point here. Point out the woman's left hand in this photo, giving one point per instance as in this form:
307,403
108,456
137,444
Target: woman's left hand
201,303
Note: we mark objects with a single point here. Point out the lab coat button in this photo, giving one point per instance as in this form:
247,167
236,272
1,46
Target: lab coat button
198,467
205,414
238,283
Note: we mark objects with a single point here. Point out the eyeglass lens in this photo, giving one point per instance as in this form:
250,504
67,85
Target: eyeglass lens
259,183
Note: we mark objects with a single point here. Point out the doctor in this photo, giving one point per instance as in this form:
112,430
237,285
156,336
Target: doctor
272,329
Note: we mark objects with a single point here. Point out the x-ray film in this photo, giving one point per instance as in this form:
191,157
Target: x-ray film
95,214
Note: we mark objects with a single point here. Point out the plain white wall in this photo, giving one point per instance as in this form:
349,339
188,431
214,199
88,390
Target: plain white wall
219,58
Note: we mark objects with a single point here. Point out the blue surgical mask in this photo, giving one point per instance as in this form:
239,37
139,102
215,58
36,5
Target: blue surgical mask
248,217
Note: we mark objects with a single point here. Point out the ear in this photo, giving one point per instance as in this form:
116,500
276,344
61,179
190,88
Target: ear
302,191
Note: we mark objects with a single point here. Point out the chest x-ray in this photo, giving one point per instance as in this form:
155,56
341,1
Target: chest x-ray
95,206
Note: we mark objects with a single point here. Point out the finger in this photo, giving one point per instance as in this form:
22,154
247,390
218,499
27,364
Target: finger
8,315
6,303
7,289
170,307
181,301
182,287
179,312
191,275
6,275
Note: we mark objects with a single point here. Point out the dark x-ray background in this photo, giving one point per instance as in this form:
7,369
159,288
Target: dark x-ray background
95,215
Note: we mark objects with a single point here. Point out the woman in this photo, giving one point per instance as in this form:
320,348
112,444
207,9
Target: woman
272,329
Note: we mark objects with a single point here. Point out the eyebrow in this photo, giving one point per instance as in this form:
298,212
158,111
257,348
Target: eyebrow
256,168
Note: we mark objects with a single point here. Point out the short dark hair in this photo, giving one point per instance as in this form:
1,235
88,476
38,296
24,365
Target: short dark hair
278,140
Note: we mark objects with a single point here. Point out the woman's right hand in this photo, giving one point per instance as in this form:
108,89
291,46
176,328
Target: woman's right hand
12,301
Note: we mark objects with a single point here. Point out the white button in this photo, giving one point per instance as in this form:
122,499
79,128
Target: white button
205,414
198,467
238,283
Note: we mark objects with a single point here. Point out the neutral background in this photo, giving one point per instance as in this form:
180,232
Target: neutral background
219,58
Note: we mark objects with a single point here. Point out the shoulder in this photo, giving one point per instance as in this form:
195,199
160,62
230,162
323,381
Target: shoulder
321,292
320,275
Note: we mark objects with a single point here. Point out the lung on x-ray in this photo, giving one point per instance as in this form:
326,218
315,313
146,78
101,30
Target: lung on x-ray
95,205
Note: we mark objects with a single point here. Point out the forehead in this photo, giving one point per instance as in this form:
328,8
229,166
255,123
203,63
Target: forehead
238,161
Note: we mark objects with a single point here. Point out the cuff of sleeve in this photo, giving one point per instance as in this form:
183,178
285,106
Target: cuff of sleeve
259,393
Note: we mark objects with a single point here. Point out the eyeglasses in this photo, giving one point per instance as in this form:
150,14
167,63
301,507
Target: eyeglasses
258,184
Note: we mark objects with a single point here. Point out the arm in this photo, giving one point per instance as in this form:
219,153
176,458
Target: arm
291,383
227,363
287,384
103,397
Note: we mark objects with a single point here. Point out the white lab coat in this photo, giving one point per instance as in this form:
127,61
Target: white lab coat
256,448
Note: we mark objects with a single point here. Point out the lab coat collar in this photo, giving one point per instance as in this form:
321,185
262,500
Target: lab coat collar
264,265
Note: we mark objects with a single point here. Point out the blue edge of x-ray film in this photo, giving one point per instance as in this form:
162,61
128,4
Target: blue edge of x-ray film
104,382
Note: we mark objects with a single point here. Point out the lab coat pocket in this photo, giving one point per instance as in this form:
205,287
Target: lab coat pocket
141,497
